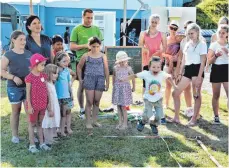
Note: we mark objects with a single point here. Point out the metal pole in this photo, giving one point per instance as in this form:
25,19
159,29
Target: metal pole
124,21
31,7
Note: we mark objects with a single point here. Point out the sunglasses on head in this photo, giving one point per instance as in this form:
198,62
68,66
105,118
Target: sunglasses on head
173,28
156,59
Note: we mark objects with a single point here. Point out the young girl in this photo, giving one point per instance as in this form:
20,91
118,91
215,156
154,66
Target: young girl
57,44
122,93
64,91
218,57
95,74
36,99
153,93
51,120
192,70
15,67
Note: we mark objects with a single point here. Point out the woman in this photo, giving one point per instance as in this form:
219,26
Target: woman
151,40
192,71
222,20
15,67
218,57
37,42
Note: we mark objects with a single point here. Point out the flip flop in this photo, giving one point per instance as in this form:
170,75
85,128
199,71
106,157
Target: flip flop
173,121
191,124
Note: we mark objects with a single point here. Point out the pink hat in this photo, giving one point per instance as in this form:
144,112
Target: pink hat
36,59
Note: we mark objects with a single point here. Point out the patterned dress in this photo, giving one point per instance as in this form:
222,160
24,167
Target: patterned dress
122,93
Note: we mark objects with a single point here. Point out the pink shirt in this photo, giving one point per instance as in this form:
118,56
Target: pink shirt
153,44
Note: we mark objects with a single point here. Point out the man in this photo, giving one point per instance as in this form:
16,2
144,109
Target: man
66,38
79,43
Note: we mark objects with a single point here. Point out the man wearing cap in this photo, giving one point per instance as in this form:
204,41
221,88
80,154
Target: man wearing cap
79,43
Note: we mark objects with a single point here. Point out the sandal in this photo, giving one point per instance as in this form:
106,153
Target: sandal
191,124
173,121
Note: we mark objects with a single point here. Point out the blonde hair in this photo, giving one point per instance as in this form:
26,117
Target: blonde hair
51,69
14,35
152,17
59,56
195,27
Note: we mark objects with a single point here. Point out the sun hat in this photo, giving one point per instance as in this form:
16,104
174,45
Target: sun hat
174,23
36,59
121,56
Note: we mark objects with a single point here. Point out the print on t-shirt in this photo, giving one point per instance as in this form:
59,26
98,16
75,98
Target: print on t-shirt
154,87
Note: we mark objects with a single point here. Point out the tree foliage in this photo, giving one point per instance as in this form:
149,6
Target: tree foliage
209,12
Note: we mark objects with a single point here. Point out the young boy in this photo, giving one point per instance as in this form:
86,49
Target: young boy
153,93
57,44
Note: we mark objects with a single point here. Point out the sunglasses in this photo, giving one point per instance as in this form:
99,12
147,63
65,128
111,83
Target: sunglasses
173,28
156,59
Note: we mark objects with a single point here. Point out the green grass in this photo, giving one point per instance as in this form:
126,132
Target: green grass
79,150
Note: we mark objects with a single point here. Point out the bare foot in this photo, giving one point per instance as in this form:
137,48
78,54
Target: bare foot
69,131
191,123
124,127
118,126
89,126
63,134
174,120
96,124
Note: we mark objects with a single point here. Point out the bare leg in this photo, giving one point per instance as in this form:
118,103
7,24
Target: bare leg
31,133
97,99
80,95
39,129
14,118
197,103
176,97
63,120
69,121
225,85
120,117
215,98
124,113
90,100
167,93
188,96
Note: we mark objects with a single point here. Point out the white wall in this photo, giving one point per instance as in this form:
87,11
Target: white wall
184,14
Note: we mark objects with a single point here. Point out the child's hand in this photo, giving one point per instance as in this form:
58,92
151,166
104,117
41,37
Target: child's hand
81,82
51,114
218,53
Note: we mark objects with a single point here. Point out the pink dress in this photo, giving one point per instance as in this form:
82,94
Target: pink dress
122,93
39,92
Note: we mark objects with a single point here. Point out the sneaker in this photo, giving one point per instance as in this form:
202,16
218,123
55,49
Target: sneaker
33,149
82,115
154,129
140,126
189,112
15,140
45,147
163,121
216,120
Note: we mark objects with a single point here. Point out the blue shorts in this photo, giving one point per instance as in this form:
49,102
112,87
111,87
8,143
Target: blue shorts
16,94
94,83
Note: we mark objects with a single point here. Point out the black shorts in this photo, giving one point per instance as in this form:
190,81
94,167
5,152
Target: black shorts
147,69
192,71
219,73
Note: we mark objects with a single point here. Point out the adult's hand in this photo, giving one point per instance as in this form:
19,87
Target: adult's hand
17,80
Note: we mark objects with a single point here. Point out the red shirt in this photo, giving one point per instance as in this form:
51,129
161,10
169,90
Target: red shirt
39,92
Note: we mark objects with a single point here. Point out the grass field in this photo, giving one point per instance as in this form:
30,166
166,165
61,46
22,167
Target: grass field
79,150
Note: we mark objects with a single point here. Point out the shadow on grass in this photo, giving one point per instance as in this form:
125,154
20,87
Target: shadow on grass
221,131
3,88
79,150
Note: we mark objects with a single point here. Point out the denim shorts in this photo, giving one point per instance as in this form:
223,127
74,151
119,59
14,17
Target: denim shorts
16,94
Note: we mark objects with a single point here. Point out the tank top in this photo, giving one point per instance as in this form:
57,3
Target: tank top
94,66
153,44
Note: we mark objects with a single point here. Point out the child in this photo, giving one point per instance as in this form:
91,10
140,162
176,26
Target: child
153,93
51,120
57,44
36,99
64,91
95,73
122,93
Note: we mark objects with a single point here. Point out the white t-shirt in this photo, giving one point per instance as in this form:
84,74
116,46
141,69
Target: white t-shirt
153,89
215,46
192,53
182,43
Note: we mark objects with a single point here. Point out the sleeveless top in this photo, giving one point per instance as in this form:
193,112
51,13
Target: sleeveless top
173,49
153,44
94,66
